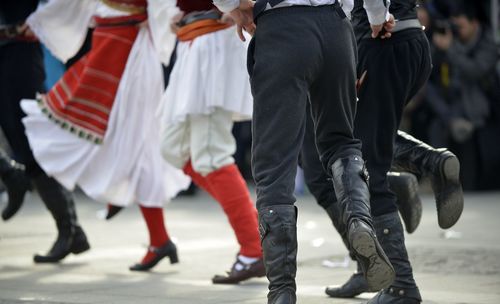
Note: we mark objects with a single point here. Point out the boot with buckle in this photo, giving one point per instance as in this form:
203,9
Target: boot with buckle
404,289
278,233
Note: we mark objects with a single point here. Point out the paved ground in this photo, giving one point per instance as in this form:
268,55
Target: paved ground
460,266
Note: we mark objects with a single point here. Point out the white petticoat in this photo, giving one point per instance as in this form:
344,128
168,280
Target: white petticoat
209,72
127,167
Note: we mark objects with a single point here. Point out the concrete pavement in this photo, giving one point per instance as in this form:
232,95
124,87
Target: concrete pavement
458,266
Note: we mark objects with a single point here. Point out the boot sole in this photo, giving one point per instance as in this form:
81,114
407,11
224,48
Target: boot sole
234,281
451,207
379,274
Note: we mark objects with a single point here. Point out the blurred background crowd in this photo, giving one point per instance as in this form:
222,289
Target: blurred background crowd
459,108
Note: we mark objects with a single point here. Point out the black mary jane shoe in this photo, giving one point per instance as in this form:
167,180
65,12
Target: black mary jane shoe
168,250
112,210
241,272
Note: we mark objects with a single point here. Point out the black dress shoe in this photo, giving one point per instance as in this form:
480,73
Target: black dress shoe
167,250
74,242
241,272
356,285
112,211
395,295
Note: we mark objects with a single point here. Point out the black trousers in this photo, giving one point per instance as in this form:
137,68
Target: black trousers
21,76
315,176
300,54
395,70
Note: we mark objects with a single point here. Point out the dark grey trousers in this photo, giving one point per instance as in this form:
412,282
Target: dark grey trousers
396,69
21,76
300,53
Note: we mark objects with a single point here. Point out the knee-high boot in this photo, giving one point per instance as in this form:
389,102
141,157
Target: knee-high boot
14,178
404,289
70,238
443,169
357,283
405,186
278,232
350,179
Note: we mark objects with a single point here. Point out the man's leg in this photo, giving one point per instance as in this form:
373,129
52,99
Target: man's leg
320,186
14,177
285,60
23,78
404,185
443,169
394,69
279,58
333,97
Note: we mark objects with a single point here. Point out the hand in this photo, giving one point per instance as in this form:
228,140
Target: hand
226,19
387,26
173,23
243,17
443,41
26,31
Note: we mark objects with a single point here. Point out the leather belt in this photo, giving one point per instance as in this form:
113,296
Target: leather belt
197,16
10,31
407,24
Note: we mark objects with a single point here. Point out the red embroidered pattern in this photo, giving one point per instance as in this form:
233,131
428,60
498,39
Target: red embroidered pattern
82,99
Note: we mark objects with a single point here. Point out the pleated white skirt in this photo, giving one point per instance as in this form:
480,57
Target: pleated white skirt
127,167
210,72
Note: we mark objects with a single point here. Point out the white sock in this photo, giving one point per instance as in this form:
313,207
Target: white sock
245,260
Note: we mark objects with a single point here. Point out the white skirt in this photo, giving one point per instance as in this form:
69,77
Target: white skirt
210,72
127,167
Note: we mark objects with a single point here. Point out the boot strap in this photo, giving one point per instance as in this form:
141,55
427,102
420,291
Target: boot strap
403,292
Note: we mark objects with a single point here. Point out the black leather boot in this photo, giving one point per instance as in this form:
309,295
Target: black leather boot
70,238
334,214
16,182
357,283
404,289
405,186
278,233
443,169
350,179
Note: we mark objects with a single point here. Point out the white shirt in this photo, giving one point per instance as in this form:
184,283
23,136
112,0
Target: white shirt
375,9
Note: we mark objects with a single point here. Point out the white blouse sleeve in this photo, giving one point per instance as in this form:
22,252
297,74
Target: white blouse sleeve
61,25
226,5
160,13
377,11
347,6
